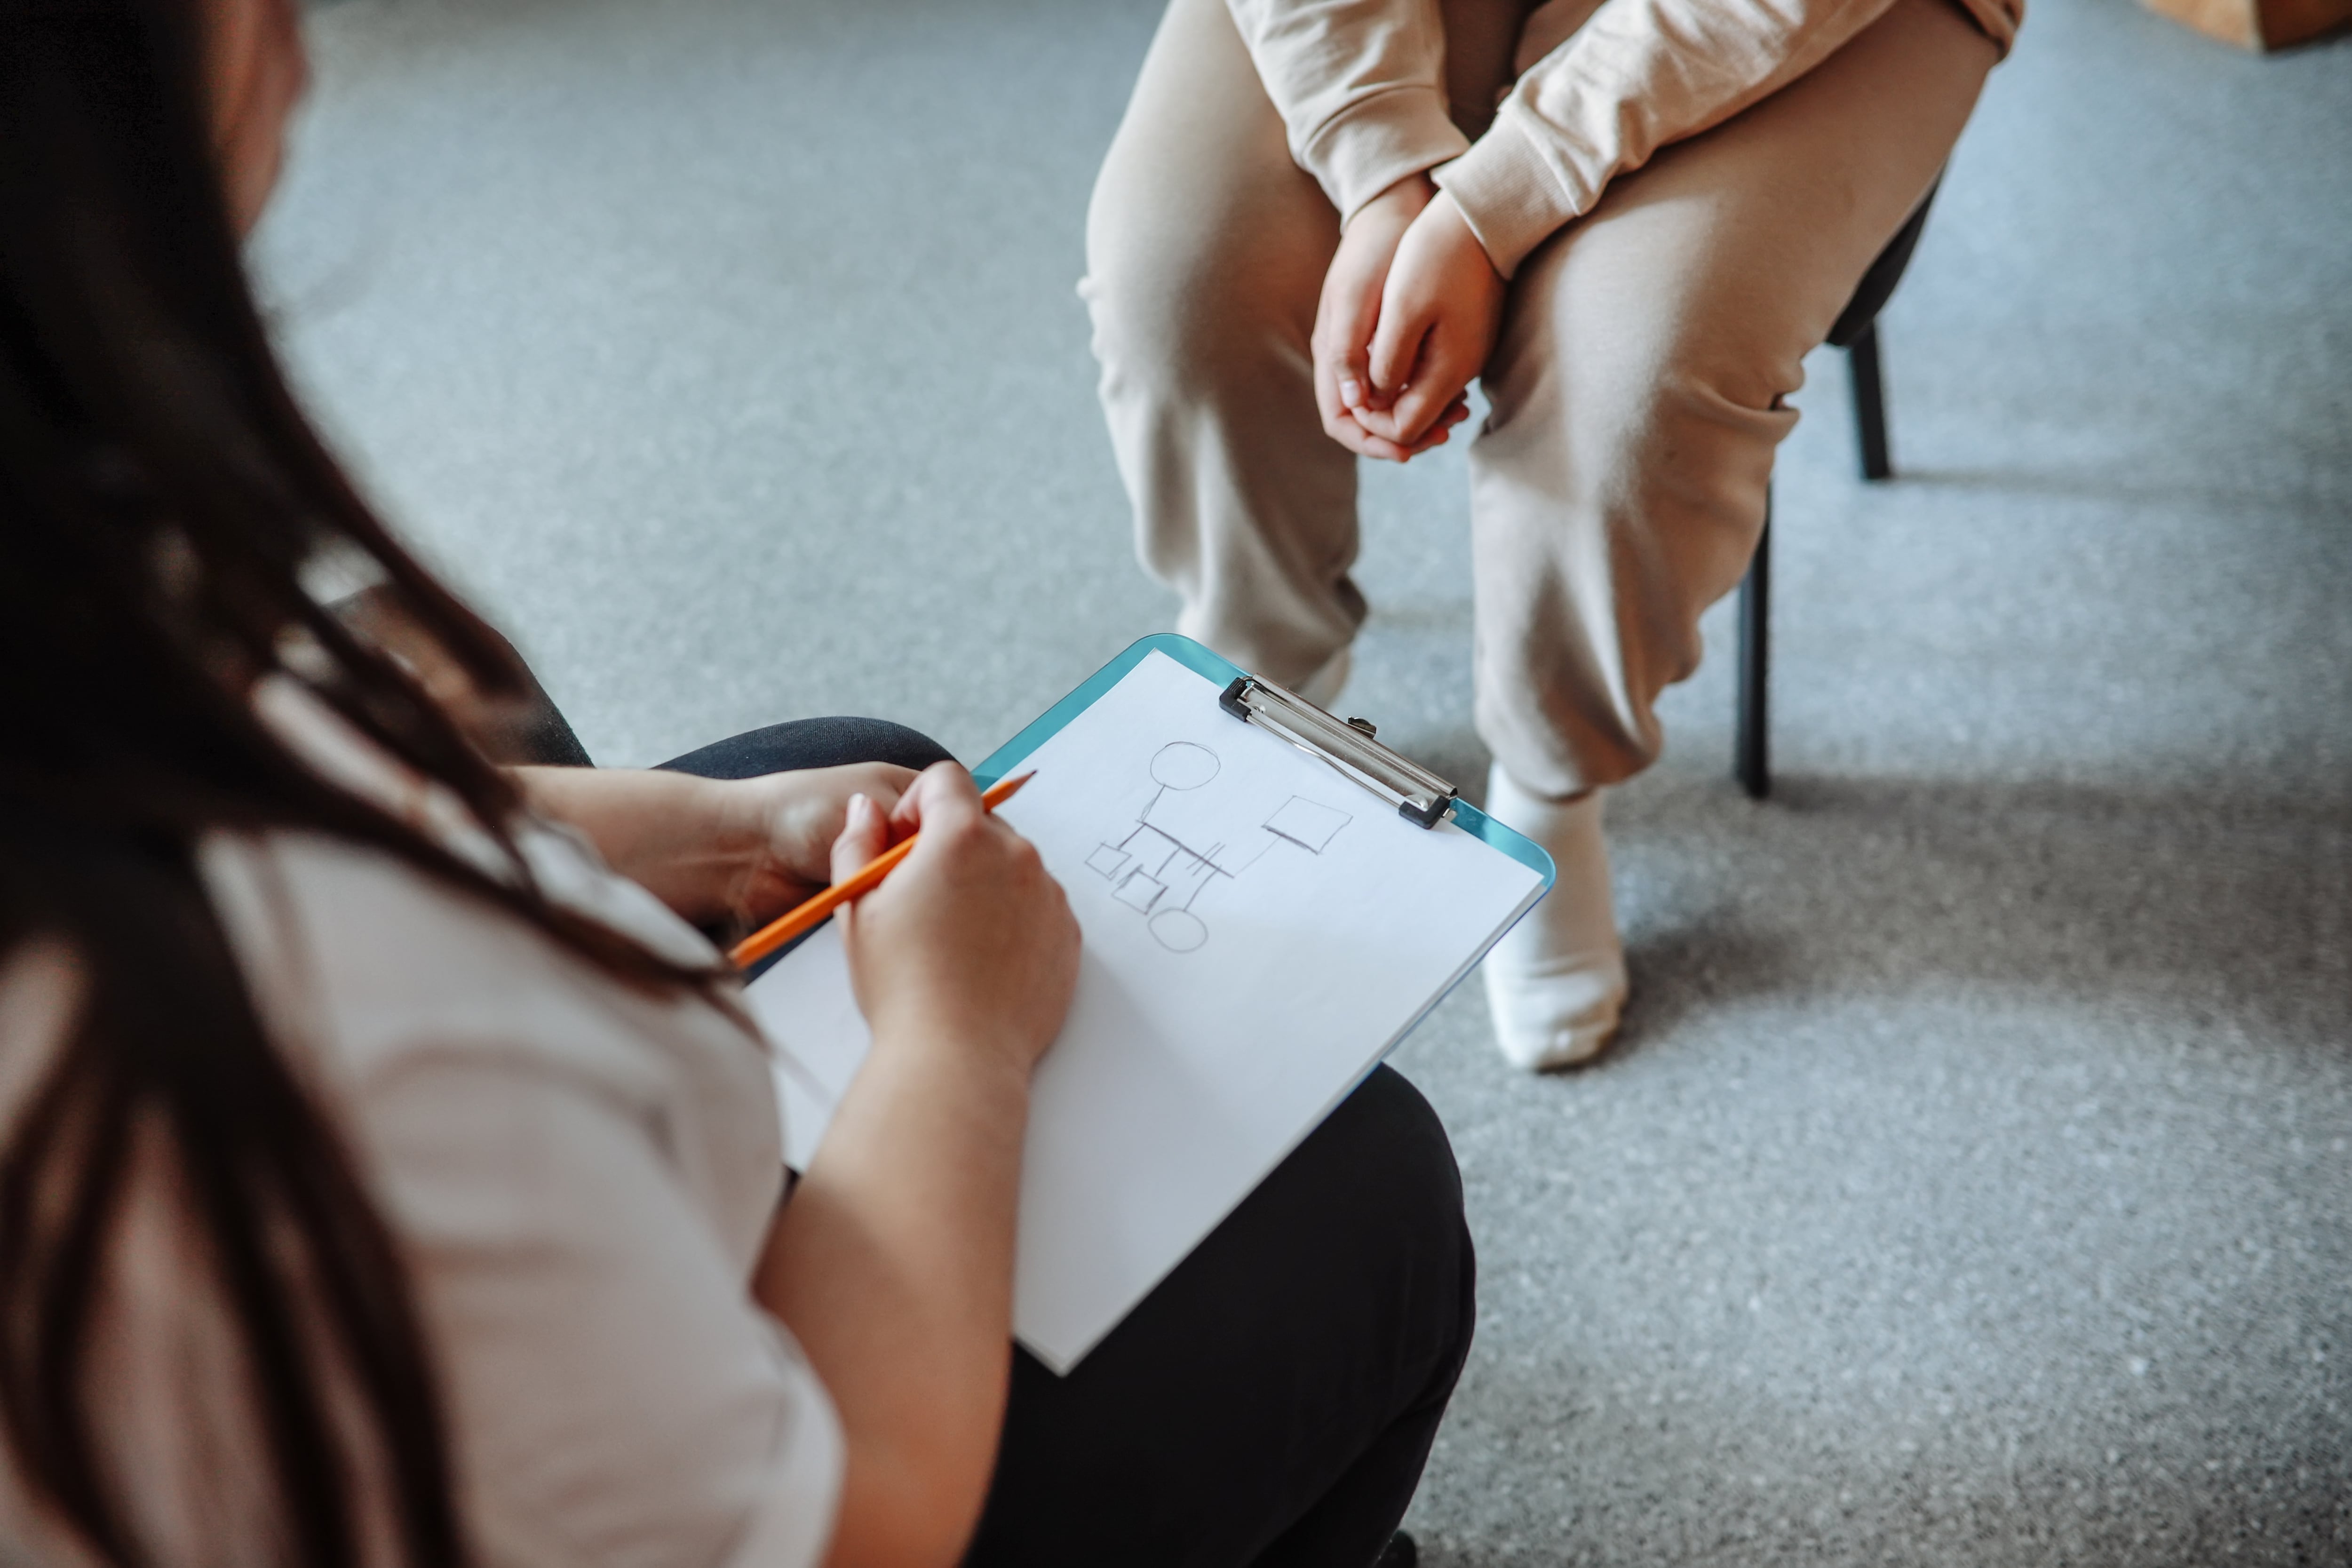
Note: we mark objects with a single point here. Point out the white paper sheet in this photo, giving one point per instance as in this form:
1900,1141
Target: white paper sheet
1258,933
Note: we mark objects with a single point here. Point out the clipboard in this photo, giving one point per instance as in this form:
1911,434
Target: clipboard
1271,898
1358,755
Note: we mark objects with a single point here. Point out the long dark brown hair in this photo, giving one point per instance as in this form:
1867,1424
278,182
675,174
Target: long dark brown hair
161,498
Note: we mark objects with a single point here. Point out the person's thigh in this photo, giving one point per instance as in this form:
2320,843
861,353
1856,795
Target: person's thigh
1301,1356
1206,248
811,744
1728,258
1202,236
1638,386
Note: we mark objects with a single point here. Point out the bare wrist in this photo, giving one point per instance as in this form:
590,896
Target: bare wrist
740,818
933,1038
1400,202
1448,213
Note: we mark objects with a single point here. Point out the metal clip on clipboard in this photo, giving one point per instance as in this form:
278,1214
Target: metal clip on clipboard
1346,745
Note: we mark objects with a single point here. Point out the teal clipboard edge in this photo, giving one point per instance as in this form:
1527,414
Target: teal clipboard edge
1223,671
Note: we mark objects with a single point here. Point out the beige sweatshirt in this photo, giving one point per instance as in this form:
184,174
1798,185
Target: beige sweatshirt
1602,85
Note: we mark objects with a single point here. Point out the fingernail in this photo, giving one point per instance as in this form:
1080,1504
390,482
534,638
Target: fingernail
859,806
1351,395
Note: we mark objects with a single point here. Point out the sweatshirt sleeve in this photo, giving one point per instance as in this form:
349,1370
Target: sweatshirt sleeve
1638,75
1360,86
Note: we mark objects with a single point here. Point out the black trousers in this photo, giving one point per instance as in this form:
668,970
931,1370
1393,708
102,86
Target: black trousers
1273,1400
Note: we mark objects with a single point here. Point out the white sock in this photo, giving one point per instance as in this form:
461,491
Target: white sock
1556,983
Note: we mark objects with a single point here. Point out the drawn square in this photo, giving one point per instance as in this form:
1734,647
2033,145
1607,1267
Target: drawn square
1138,890
1107,859
1306,823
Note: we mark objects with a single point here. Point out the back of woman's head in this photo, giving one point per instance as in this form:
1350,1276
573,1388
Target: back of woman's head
162,498
163,494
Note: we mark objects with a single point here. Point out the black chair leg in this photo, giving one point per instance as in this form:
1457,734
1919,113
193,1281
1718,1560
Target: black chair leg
1869,403
1751,761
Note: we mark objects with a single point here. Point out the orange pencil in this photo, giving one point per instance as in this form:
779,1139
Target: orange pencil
786,927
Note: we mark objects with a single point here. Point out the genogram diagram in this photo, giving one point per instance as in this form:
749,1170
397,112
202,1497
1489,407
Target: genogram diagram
1188,836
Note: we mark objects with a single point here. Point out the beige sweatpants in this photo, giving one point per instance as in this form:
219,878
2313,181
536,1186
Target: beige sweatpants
1637,386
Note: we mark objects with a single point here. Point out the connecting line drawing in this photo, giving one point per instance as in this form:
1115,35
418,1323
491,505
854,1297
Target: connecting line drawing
1188,836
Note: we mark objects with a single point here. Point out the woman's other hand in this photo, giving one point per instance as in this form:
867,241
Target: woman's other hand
721,852
970,940
785,827
1440,307
1346,390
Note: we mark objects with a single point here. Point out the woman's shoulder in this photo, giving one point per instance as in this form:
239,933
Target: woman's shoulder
388,948
379,965
412,1001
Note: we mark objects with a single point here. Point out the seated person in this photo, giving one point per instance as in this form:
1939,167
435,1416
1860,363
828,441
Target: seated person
1630,220
384,1179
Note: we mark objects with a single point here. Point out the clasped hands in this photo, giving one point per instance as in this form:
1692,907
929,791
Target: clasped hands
1409,309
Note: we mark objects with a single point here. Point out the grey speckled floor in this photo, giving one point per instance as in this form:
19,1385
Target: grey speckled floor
1972,1186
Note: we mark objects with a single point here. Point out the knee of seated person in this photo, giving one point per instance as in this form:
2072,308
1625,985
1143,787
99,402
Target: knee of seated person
1389,1143
1679,399
1184,320
1160,341
1653,440
886,740
799,743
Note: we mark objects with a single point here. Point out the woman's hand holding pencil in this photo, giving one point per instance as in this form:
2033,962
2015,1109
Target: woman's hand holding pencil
965,935
809,915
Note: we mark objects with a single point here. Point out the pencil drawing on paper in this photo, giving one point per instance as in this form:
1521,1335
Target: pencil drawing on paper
1188,836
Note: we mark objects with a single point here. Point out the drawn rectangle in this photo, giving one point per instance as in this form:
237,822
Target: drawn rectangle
1306,823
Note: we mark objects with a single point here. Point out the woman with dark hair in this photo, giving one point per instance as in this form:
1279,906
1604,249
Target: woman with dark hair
387,1171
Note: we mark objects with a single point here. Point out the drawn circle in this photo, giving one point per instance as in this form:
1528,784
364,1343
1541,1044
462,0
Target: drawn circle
1180,765
1179,930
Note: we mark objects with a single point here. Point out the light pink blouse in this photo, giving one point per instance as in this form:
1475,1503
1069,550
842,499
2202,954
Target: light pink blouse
582,1178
